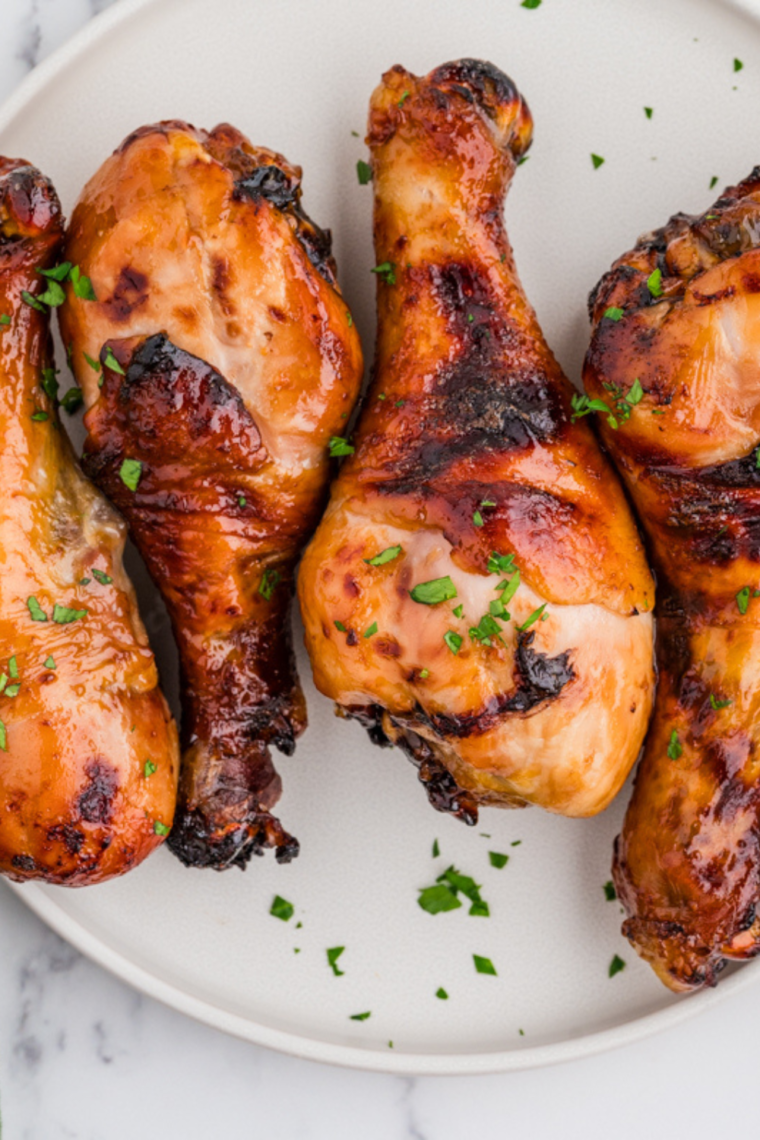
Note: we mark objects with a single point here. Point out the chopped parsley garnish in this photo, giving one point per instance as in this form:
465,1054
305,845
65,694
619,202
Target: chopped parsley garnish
477,518
436,849
488,502
742,599
533,618
111,362
509,589
3,737
242,500
35,609
501,563
738,65
649,111
12,690
28,299
384,556
340,446
4,319
399,403
497,859
363,172
441,993
654,283
675,748
433,592
609,891
485,630
13,667
424,673
350,319
270,579
484,965
39,416
281,908
360,1016
515,843
403,99
438,899
84,581
386,272
3,681
453,641
82,285
583,406
371,630
49,384
458,610
94,364
613,313
53,296
340,627
49,663
57,273
63,615
597,161
616,965
713,182
130,473
149,768
531,4
101,576
72,400
332,960
716,704
160,828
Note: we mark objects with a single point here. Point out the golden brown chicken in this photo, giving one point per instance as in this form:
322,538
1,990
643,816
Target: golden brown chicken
88,751
677,320
477,591
229,359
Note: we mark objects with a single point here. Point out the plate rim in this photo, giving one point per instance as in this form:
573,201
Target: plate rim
39,898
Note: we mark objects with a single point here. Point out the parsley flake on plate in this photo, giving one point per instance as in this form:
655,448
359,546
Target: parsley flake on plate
497,859
72,400
441,994
616,965
363,172
436,849
484,965
333,954
438,899
360,1016
597,161
281,909
649,111
609,891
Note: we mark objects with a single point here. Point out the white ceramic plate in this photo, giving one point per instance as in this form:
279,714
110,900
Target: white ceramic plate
296,75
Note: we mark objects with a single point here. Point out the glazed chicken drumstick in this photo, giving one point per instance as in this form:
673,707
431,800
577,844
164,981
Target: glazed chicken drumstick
477,592
88,751
228,360
679,318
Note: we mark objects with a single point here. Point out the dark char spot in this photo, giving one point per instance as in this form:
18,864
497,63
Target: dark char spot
96,801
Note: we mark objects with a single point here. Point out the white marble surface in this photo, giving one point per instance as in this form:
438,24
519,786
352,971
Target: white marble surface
82,1056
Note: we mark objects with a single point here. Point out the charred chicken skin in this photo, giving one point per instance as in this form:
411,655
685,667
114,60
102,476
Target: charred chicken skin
476,592
679,318
88,751
225,359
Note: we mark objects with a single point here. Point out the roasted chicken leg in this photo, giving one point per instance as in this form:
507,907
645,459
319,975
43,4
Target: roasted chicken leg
678,319
225,359
88,751
477,592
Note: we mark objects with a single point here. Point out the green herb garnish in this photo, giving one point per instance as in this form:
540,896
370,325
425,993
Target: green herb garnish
94,364
371,630
654,283
613,313
270,579
441,993
360,1016
63,615
386,272
363,172
160,828
82,286
4,319
649,111
72,400
49,663
597,161
3,737
340,626
149,768
281,908
101,576
609,891
433,592
533,618
332,960
13,667
477,518
497,859
53,296
501,563
438,899
33,303
49,384
716,704
403,99
12,690
436,849
39,416
35,609
130,473
675,748
738,65
484,965
453,641
616,965
340,446
384,556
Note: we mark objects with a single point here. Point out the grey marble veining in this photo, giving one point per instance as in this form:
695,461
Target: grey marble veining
83,1057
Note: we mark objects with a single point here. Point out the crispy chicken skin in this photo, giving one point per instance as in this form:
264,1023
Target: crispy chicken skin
466,447
229,359
687,863
80,706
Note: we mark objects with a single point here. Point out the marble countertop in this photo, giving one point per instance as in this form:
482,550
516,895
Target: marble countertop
82,1057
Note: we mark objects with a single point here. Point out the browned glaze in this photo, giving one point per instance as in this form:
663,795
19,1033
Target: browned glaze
236,361
88,751
465,447
687,303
